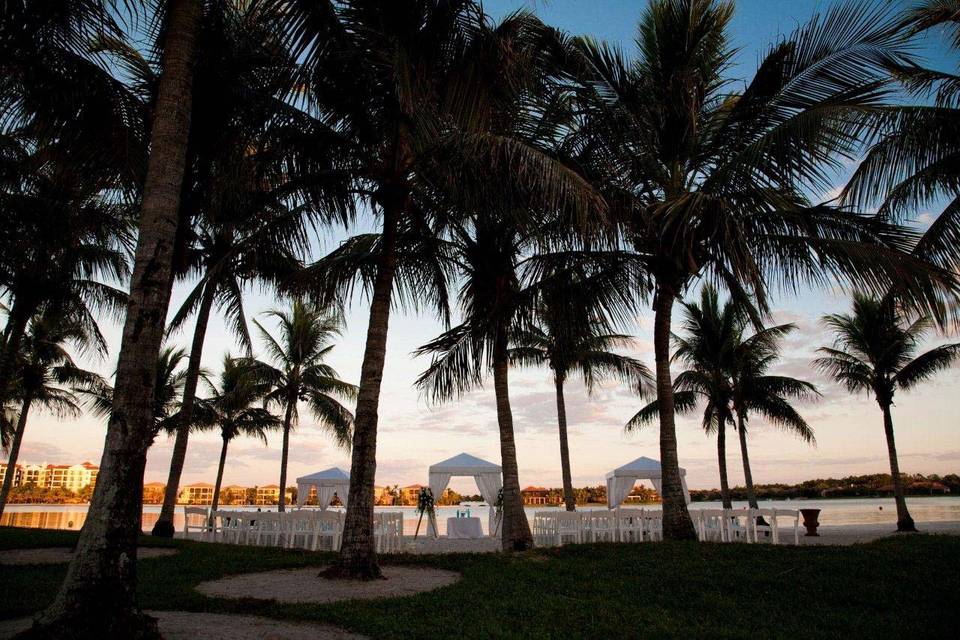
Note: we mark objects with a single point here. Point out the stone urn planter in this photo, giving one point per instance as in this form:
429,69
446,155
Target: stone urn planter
810,521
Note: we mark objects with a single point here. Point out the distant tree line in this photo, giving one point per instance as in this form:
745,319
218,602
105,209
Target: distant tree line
875,484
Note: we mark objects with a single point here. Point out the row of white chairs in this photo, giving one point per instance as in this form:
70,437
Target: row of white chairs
745,525
642,525
619,525
304,529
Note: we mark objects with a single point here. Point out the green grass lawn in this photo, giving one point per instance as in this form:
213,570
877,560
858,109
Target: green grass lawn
897,587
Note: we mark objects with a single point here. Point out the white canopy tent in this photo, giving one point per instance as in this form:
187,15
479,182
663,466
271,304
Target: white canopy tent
620,481
329,482
489,479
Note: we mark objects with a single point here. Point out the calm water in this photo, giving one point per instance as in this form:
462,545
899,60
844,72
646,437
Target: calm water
837,511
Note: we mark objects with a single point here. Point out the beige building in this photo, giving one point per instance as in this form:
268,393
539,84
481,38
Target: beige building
234,494
410,495
17,475
197,493
153,492
270,494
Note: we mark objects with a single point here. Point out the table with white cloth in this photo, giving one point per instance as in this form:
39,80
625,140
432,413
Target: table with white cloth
464,528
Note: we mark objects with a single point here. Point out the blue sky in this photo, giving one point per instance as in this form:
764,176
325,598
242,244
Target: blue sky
414,434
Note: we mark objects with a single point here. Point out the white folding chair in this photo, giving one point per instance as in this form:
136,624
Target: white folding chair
603,526
200,522
267,529
629,525
300,529
329,527
544,527
764,523
739,525
790,514
653,525
569,526
712,525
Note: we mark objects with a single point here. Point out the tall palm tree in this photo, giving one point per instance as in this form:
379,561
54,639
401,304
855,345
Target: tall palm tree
770,396
488,251
728,370
707,181
572,336
44,374
411,87
299,372
707,348
98,595
229,408
875,351
249,223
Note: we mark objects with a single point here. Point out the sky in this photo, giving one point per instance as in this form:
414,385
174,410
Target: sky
413,434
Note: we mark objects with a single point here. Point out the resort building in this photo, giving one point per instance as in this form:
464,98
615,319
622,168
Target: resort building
17,474
410,495
539,496
270,494
54,476
234,494
70,477
153,492
197,493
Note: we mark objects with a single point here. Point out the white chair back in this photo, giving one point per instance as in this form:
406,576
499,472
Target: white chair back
266,528
629,525
602,525
569,527
545,528
198,519
653,525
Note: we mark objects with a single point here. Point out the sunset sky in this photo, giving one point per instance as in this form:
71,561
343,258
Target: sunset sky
413,434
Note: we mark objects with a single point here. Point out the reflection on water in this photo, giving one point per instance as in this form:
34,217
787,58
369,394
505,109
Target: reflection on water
839,511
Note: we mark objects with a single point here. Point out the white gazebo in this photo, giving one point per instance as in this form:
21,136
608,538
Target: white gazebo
489,479
620,481
329,482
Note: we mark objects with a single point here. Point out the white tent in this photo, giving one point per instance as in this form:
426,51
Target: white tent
329,482
489,479
620,481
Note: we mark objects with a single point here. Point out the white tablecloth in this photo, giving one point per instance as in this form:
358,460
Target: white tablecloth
464,528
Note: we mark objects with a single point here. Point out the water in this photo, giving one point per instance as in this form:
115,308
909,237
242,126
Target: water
837,511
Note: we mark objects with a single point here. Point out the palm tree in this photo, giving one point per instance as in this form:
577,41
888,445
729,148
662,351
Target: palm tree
711,335
98,595
909,165
68,248
166,400
248,222
488,251
754,391
709,182
230,409
875,351
300,373
573,337
44,369
411,87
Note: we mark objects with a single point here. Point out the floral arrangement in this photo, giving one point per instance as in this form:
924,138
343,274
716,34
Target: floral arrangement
425,501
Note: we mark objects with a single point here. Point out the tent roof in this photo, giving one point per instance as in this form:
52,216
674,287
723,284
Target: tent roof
464,464
333,475
642,467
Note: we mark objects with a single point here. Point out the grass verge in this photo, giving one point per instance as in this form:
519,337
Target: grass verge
896,587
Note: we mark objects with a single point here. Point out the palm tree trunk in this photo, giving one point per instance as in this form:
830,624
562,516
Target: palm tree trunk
14,453
98,595
568,498
722,460
677,524
215,504
13,337
515,534
747,473
291,402
358,553
904,521
164,526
